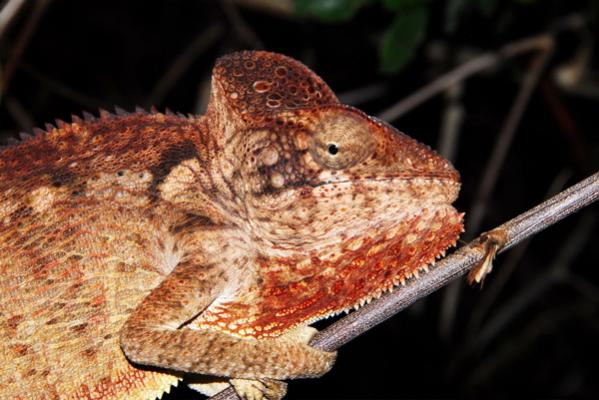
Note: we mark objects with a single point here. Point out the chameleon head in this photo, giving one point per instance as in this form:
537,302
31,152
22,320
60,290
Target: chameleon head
341,206
333,172
310,168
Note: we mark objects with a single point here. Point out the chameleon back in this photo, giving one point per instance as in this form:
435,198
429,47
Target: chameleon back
76,256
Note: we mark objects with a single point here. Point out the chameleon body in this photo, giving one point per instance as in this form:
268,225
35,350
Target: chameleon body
137,247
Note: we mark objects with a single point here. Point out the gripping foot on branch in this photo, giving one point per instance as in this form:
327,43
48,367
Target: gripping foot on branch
491,242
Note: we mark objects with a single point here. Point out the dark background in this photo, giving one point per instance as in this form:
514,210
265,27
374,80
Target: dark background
533,329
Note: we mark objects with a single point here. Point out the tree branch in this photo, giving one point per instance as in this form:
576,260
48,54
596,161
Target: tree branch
480,63
182,63
450,268
17,50
478,208
7,14
463,71
504,139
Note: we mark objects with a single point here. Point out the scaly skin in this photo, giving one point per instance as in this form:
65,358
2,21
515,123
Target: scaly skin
138,247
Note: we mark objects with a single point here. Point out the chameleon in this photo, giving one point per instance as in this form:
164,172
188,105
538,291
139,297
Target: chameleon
139,249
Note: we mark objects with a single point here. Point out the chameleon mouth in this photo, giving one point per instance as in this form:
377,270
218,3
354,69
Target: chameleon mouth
435,189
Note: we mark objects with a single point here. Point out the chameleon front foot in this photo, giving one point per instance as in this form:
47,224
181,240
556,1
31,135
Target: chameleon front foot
491,242
259,389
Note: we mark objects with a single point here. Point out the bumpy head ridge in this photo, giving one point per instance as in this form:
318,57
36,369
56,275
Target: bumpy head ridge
256,83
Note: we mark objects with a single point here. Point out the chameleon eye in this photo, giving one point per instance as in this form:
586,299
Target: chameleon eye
341,140
333,149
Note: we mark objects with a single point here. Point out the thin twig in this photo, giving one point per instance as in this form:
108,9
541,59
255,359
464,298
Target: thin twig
568,127
448,143
451,124
19,47
480,63
364,94
504,140
502,144
477,64
586,289
9,11
200,44
556,272
281,8
451,268
508,266
243,29
19,114
59,88
525,339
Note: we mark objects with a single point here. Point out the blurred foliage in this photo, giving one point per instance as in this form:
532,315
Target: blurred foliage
330,10
408,29
405,34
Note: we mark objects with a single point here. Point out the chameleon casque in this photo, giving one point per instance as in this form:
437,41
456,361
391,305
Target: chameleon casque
136,248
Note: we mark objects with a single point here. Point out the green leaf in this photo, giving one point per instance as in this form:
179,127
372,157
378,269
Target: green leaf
402,38
329,10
